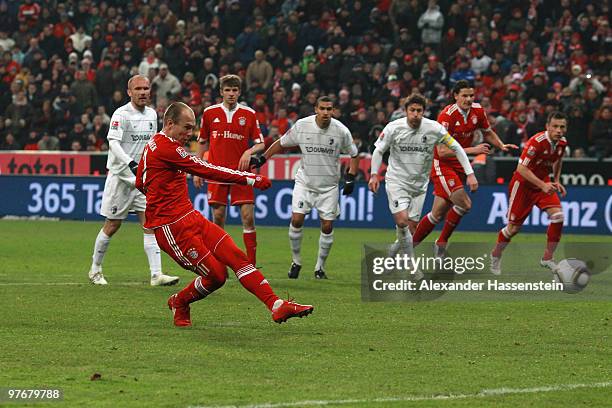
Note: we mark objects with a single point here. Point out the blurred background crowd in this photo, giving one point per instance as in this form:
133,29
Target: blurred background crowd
64,65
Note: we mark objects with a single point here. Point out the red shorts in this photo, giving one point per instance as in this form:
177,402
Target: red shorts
239,194
523,198
446,180
191,242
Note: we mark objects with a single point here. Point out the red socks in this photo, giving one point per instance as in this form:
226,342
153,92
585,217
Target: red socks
553,236
452,220
425,226
502,242
212,276
250,243
228,253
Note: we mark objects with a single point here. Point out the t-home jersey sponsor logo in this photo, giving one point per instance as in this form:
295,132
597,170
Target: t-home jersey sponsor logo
227,135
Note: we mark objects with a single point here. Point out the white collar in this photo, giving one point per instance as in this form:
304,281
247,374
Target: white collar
228,110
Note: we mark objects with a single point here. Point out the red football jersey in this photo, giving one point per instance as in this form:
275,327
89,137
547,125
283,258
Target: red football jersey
162,179
538,155
462,129
229,133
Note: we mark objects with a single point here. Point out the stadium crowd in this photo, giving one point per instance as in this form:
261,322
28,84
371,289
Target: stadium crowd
64,65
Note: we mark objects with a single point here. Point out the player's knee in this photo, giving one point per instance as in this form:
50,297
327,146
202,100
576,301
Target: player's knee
297,222
402,221
557,217
219,218
111,227
412,225
327,227
464,206
216,275
248,222
511,230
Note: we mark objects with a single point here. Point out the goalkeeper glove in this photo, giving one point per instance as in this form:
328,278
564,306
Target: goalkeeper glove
257,162
349,184
133,167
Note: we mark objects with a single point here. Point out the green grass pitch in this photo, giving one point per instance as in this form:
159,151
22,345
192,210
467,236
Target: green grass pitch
57,331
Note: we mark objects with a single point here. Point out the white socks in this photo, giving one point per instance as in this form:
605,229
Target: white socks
404,238
325,244
100,247
295,241
153,254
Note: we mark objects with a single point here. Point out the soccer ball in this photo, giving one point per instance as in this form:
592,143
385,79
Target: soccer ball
573,274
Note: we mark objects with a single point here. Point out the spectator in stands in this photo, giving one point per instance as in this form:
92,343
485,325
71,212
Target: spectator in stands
31,143
48,142
18,115
84,91
259,70
354,48
463,72
148,63
601,134
10,143
80,39
431,23
165,84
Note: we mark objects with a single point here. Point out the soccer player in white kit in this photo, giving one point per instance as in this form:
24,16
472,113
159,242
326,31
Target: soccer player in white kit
412,141
321,139
131,127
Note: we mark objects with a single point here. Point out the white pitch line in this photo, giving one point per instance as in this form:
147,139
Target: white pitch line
68,283
230,282
481,394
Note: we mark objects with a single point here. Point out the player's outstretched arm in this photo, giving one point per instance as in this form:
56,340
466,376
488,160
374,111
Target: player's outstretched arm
259,161
245,160
494,139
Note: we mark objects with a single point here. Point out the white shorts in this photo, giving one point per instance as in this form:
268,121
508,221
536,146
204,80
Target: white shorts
120,198
326,204
402,199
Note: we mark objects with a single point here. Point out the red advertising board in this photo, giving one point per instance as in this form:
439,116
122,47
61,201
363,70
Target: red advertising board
45,163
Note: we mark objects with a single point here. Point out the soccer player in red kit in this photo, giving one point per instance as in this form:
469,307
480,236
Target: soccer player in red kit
183,233
531,185
461,119
226,132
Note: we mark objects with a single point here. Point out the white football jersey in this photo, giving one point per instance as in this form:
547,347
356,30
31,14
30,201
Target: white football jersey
411,152
319,169
132,129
